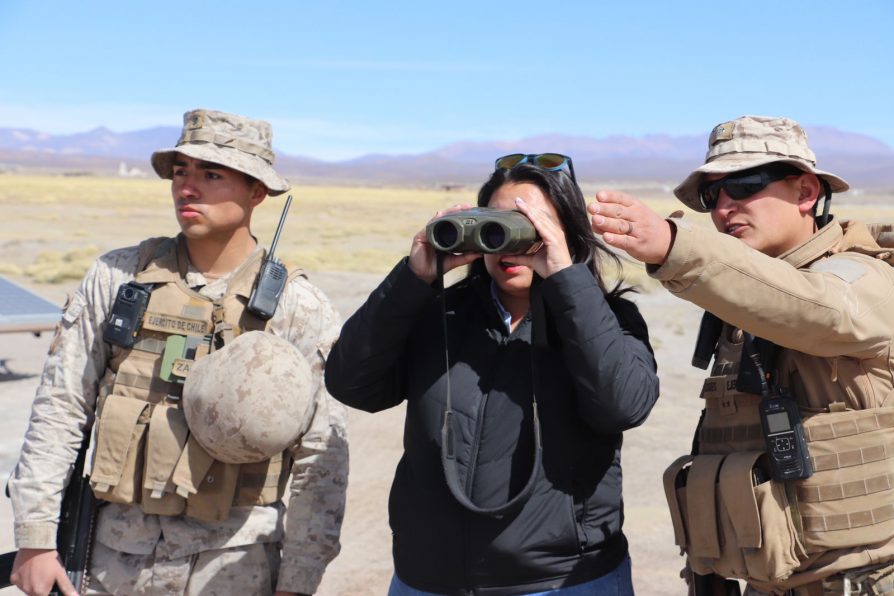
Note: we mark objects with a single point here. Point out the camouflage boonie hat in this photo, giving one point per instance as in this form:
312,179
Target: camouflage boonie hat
751,141
234,141
249,400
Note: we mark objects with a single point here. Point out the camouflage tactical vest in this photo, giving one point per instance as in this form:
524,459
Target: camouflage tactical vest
143,451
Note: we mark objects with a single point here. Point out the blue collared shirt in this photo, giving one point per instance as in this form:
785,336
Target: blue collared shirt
504,314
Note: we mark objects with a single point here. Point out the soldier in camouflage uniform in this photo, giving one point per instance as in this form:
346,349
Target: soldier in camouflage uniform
817,296
168,540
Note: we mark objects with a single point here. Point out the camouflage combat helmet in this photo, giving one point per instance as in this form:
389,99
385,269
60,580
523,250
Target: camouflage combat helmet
249,400
234,141
750,141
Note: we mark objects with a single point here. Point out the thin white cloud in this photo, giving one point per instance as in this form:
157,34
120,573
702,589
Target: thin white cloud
377,65
330,140
313,137
67,119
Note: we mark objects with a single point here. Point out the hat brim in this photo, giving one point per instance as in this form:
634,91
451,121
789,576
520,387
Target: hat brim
687,191
254,166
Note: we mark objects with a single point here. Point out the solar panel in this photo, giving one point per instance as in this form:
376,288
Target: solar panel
23,310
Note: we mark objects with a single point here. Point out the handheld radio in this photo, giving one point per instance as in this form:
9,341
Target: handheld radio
784,435
782,426
272,277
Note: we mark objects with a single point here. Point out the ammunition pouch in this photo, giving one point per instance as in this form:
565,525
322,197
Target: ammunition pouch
733,522
726,523
144,455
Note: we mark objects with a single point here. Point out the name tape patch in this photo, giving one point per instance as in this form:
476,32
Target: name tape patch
170,323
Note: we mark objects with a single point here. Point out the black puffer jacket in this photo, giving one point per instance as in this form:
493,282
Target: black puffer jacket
596,379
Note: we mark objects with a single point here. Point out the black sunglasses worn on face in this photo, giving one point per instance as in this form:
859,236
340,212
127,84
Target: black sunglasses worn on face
547,161
744,184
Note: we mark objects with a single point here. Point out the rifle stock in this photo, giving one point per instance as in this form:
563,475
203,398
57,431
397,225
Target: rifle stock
74,538
714,585
6,560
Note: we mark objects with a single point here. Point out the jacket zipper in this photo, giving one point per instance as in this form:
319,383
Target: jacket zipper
473,464
473,457
582,538
479,429
470,479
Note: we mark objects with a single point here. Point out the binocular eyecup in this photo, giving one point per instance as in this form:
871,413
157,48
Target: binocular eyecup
484,230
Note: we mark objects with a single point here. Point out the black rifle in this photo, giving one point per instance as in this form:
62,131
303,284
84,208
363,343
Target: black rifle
74,539
705,346
714,585
6,560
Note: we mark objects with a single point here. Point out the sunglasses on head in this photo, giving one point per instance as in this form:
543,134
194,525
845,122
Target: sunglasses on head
546,161
744,184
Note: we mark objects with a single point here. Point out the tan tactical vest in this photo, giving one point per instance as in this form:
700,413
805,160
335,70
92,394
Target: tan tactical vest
143,451
733,520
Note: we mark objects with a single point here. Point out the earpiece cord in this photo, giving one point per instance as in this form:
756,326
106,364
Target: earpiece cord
824,218
756,360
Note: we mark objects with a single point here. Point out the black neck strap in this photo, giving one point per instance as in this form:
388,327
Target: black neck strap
824,217
448,439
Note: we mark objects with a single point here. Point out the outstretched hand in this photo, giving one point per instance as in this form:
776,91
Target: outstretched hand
423,257
626,223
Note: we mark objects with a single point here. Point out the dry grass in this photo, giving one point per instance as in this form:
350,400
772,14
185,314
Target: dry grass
56,267
67,221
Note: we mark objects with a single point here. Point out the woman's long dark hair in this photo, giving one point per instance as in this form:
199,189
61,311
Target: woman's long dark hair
568,200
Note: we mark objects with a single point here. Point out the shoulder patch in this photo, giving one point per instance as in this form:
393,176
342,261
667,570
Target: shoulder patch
850,270
74,306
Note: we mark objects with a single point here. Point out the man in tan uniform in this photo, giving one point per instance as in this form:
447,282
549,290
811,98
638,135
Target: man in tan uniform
182,512
811,300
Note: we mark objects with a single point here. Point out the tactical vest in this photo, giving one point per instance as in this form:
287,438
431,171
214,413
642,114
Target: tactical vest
732,519
143,451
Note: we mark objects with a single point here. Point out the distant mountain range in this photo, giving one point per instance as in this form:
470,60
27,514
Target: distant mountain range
864,161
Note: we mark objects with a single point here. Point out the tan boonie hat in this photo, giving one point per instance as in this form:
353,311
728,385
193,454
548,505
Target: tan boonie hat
751,141
237,142
249,400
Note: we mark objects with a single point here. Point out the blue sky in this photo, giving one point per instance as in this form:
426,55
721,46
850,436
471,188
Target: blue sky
341,79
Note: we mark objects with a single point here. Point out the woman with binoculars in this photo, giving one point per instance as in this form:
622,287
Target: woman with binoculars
519,381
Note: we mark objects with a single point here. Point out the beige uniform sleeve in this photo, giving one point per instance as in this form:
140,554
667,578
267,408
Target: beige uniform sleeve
841,305
316,499
64,403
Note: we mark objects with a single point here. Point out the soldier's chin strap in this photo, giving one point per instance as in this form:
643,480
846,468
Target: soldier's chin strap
448,442
823,219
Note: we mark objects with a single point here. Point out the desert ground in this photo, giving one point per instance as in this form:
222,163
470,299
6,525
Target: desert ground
347,239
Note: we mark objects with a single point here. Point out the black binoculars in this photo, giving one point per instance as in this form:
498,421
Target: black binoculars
484,230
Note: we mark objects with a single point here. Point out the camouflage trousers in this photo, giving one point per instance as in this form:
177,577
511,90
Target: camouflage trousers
244,570
867,581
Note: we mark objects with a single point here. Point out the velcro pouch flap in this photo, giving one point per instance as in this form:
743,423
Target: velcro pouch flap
670,491
737,493
216,494
191,468
701,488
167,437
116,427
